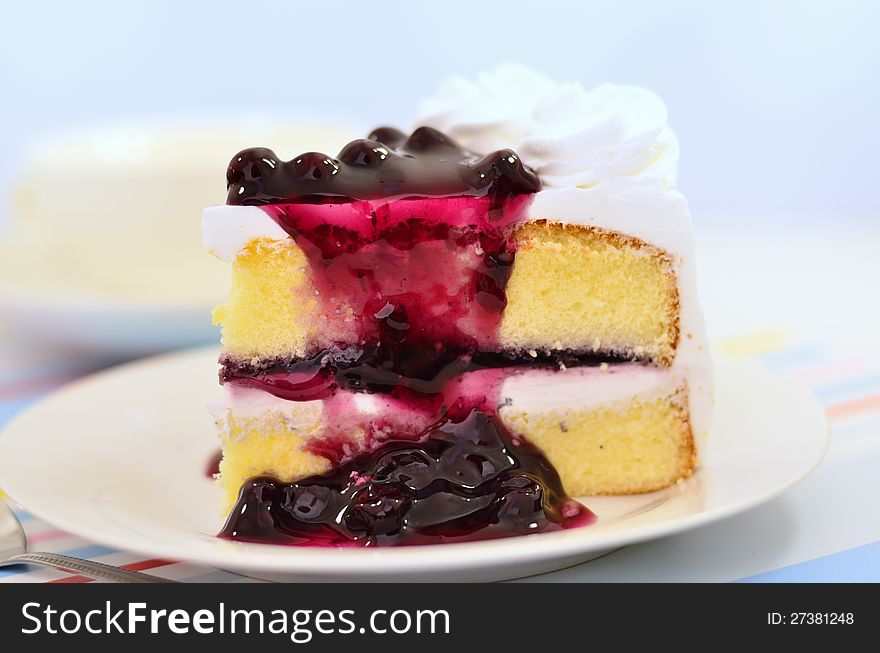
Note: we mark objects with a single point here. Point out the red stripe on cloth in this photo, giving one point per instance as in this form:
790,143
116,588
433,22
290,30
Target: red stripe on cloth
141,565
25,388
834,371
45,536
854,406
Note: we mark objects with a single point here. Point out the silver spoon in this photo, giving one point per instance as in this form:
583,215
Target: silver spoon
13,551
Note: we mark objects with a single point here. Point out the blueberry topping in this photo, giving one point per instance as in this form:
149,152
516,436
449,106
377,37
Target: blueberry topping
314,165
388,163
364,153
428,139
390,136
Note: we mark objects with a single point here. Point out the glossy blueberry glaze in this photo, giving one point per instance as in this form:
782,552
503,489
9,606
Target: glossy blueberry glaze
387,164
463,480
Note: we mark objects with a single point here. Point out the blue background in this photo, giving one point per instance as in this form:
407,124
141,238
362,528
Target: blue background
775,103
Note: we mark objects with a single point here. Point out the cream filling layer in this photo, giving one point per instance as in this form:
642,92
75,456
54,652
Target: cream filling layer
527,390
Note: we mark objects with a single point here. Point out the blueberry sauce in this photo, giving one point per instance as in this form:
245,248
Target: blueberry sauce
410,245
464,480
414,370
212,467
387,164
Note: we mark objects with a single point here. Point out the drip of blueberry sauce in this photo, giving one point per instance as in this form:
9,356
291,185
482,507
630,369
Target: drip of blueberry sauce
465,480
212,467
410,246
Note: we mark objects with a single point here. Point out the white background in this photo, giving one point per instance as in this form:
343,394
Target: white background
776,104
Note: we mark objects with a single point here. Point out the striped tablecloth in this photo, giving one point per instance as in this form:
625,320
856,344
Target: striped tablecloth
846,383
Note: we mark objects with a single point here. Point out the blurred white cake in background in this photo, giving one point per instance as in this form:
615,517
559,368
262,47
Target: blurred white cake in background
104,228
114,210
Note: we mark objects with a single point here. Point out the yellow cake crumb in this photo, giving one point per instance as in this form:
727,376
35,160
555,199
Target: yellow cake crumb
587,288
266,314
271,445
572,287
632,447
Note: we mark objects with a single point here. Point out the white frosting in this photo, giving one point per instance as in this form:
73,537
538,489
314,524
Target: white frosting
606,158
568,135
227,230
246,403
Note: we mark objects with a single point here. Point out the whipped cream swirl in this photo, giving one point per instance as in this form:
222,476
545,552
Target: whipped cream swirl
568,135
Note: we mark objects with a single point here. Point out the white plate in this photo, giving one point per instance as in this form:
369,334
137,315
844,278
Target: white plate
120,457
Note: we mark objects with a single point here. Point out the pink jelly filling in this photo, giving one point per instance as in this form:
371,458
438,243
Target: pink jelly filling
426,272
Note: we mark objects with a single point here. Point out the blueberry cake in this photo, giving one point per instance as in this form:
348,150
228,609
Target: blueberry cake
445,334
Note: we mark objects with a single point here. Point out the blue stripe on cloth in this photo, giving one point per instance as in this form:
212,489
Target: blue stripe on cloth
29,360
11,377
851,388
793,356
6,572
90,551
861,564
22,515
45,371
10,409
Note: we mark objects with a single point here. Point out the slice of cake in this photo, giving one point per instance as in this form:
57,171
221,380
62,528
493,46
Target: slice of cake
433,337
